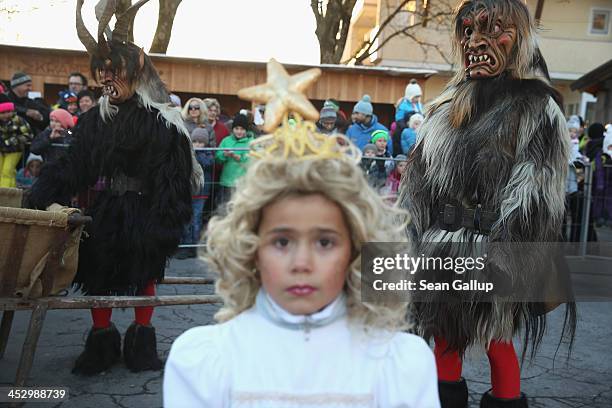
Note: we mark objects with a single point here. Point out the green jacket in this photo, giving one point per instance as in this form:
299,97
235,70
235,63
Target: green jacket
233,169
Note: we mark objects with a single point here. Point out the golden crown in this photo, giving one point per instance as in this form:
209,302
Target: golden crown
296,138
299,139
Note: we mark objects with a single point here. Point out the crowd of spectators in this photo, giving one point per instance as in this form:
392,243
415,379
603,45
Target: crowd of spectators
34,133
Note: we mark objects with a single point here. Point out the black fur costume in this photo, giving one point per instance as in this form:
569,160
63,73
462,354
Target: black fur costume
137,142
132,235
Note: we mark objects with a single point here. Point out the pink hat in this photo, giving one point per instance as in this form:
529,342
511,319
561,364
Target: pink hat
64,117
7,107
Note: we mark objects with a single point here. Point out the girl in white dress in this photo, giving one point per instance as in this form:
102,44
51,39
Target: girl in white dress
293,331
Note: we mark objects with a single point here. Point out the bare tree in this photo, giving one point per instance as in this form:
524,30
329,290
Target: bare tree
333,22
165,21
407,22
403,18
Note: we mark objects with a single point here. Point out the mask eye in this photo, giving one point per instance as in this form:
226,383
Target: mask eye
497,29
468,31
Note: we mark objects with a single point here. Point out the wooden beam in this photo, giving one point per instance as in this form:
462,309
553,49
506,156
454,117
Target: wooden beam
88,302
177,280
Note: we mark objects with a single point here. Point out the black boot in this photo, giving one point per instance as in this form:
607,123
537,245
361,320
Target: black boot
140,348
489,401
102,350
453,394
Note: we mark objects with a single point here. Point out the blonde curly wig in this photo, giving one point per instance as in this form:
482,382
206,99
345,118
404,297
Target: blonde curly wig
232,239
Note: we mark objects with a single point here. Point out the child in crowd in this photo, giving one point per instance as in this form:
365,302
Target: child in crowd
327,121
409,135
379,168
410,103
200,138
394,179
58,133
233,161
28,175
86,100
69,101
294,330
15,134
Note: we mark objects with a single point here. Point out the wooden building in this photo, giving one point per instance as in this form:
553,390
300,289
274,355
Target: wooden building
598,83
187,77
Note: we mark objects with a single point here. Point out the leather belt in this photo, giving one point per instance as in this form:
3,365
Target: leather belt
121,184
452,217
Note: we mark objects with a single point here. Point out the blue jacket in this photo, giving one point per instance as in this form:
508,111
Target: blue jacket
408,139
361,134
406,107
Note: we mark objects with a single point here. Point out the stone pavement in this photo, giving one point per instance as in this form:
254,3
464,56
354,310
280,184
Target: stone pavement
551,380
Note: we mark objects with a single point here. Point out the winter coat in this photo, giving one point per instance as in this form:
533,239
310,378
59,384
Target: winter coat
360,133
405,108
15,134
408,140
23,104
232,169
42,145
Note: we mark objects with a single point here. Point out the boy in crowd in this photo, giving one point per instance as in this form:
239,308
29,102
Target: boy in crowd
234,162
327,121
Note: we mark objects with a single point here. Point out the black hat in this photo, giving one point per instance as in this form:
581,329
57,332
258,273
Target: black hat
241,120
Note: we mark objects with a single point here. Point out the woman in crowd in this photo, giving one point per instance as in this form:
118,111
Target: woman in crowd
195,114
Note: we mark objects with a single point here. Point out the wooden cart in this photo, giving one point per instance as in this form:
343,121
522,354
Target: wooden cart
38,260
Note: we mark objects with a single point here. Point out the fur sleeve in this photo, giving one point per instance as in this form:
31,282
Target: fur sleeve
60,179
414,195
170,180
532,206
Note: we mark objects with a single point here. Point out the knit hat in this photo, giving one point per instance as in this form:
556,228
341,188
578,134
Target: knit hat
370,147
328,113
20,78
414,118
413,89
33,157
573,122
200,135
64,117
5,104
68,97
400,158
240,120
379,134
331,104
364,106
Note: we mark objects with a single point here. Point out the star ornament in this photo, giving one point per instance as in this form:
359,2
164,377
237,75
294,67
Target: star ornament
283,93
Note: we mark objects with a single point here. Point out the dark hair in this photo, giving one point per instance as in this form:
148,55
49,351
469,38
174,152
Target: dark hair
83,79
85,93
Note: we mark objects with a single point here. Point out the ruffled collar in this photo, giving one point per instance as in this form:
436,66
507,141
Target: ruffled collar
273,312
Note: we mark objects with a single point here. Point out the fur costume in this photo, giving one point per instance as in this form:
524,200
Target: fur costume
495,140
135,140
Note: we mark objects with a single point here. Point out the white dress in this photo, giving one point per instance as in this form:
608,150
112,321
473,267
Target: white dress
266,357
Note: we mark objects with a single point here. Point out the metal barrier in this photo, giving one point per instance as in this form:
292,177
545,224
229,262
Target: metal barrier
587,192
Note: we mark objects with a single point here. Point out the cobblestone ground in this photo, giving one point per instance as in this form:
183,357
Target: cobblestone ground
551,380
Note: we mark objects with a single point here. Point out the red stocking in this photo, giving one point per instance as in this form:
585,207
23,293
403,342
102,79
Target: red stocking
448,361
101,317
505,372
143,314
